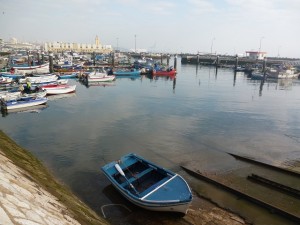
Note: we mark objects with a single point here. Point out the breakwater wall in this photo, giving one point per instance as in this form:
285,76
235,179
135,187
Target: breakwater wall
225,60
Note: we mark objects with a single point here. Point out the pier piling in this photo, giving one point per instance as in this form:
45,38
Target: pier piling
175,61
168,60
217,61
51,63
236,62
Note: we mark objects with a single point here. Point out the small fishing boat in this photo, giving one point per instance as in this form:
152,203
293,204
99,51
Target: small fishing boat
148,185
12,75
23,102
278,71
106,78
5,80
163,71
30,69
55,89
67,75
7,95
40,79
100,75
131,72
257,75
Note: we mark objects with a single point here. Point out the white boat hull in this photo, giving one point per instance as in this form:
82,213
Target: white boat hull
25,105
101,79
60,90
44,68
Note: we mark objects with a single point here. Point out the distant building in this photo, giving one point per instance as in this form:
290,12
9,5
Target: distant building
13,43
256,55
78,47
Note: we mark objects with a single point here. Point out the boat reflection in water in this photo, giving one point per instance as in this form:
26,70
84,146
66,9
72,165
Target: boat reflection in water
31,109
97,84
61,96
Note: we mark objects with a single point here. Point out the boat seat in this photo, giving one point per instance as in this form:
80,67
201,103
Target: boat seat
152,187
137,176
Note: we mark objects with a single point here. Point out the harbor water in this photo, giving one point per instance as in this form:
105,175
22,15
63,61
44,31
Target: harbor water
195,119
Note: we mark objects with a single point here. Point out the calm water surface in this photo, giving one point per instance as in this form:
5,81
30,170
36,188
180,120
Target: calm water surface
194,119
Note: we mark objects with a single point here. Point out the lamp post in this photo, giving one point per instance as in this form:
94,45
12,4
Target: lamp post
212,42
260,43
117,43
278,55
135,43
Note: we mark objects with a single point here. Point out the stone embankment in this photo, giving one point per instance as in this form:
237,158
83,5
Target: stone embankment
24,202
29,195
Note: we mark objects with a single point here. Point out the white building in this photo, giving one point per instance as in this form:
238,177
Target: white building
256,55
78,47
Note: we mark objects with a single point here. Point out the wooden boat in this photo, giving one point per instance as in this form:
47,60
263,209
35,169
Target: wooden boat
132,72
26,69
23,102
55,89
68,75
257,75
5,80
164,73
40,79
147,185
7,95
106,78
100,75
12,75
278,71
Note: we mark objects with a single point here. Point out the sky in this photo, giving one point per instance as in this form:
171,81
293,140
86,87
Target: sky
175,26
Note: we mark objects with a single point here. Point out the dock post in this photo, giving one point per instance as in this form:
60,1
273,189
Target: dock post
236,62
43,57
168,59
217,61
113,59
94,58
175,61
39,58
264,67
51,62
198,58
161,58
28,59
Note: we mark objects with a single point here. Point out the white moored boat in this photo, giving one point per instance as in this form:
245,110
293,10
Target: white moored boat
100,76
55,89
23,102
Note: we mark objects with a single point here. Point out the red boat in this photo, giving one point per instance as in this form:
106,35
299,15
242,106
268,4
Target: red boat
164,72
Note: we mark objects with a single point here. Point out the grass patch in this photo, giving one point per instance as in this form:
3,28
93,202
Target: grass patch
39,174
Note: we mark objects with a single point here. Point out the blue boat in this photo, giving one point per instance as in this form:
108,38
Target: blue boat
68,75
132,72
148,185
12,75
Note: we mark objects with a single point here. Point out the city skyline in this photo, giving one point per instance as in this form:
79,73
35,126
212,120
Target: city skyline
217,26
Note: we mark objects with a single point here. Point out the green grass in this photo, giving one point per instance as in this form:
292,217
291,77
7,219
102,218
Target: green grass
39,174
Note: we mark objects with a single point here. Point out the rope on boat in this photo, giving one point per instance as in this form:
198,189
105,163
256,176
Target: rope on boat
102,207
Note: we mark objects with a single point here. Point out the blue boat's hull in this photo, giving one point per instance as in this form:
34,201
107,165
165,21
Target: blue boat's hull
154,188
127,73
10,75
